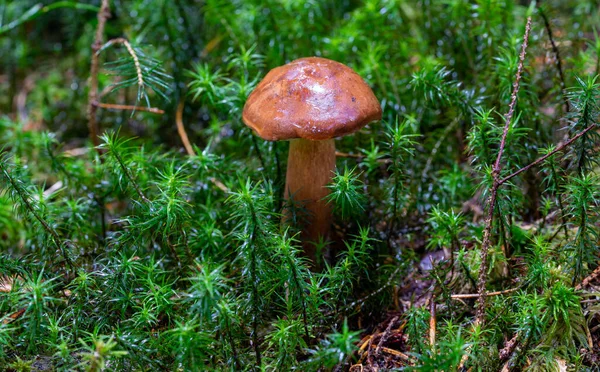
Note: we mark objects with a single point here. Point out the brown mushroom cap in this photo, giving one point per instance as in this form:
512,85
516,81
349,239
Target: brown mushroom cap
311,98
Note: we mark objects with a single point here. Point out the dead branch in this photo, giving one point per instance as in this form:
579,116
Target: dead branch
509,347
397,353
476,295
181,129
385,334
112,106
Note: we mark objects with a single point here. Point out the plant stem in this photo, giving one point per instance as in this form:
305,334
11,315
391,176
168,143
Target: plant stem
181,129
485,245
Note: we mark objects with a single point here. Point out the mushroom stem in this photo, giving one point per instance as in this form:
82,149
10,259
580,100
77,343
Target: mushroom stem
310,169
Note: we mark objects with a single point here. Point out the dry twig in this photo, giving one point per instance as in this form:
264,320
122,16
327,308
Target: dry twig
475,295
509,347
386,334
112,106
397,353
367,345
432,323
181,129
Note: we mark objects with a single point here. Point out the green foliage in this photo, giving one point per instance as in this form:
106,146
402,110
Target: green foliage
446,229
416,328
142,71
98,352
134,255
335,349
399,145
583,194
583,98
346,194
446,359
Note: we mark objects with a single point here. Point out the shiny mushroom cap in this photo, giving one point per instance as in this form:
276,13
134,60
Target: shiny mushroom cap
311,98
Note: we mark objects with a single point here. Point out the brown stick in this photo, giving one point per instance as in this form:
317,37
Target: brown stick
181,129
485,245
112,106
475,295
103,15
397,353
385,334
509,347
432,323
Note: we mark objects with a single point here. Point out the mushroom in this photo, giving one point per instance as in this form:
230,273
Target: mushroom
310,101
